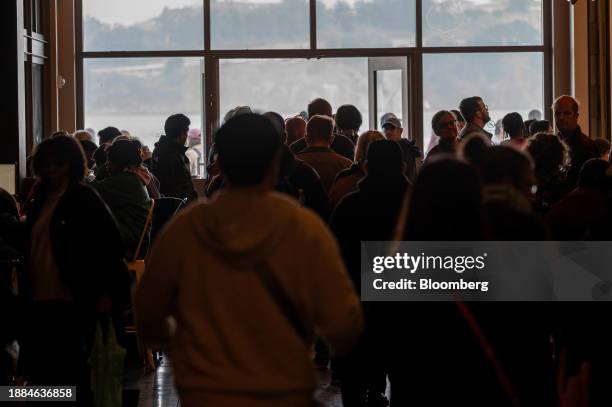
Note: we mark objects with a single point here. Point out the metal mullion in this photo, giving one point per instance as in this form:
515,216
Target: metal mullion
207,29
419,23
143,54
313,24
307,53
80,86
548,58
484,49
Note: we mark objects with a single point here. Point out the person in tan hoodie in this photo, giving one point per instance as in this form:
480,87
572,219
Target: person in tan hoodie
206,296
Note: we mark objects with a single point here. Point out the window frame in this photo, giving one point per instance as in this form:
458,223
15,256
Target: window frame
415,54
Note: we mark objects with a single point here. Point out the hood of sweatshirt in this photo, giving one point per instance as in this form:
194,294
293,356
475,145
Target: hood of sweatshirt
244,228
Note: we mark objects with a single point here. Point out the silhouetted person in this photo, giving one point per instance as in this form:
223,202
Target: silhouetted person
346,180
370,214
539,126
125,193
603,147
514,127
319,155
582,210
443,124
239,245
550,157
581,147
296,129
476,115
348,122
170,165
339,143
393,130
76,268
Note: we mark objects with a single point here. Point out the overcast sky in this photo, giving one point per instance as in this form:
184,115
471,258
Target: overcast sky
132,11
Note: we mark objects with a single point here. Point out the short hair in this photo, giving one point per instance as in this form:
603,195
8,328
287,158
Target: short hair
61,149
363,142
348,117
384,158
176,125
505,163
594,173
457,115
279,124
469,107
124,154
83,135
539,126
320,127
292,126
603,146
435,120
513,124
549,154
319,106
108,134
247,146
88,146
575,103
534,114
473,149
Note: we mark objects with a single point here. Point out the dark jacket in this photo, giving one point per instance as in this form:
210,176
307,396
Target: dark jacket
581,149
341,145
306,184
410,154
171,167
444,146
345,183
86,243
296,179
128,200
472,128
370,213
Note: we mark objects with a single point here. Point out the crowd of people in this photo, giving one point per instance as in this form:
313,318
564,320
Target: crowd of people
251,288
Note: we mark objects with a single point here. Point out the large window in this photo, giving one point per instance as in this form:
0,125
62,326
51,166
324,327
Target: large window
286,86
142,60
137,94
507,82
137,25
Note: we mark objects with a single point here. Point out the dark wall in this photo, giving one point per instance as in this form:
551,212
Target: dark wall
12,133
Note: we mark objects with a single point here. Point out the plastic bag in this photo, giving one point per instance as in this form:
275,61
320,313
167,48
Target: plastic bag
107,363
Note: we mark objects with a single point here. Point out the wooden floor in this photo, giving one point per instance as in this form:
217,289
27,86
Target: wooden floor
156,389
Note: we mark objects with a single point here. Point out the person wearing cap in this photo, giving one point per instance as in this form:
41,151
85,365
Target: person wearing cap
476,115
170,164
393,130
124,192
194,151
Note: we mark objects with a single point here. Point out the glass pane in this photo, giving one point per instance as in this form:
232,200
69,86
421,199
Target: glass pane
288,85
137,94
507,82
366,23
482,22
137,25
260,24
389,94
